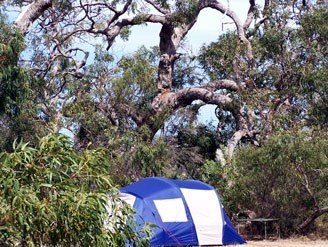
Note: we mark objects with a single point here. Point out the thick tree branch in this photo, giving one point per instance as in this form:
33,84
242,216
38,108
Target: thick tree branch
240,27
184,97
32,12
241,129
317,213
234,140
222,84
113,31
250,14
175,100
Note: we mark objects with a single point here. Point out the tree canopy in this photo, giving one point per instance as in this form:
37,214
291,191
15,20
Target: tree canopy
267,78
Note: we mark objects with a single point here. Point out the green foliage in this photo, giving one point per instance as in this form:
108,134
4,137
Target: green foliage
315,35
134,158
110,88
14,81
219,58
52,195
202,137
184,11
101,108
187,73
137,75
225,178
189,149
8,61
111,107
290,56
149,160
277,179
18,89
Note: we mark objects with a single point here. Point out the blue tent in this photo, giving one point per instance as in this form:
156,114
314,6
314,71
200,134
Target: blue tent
186,212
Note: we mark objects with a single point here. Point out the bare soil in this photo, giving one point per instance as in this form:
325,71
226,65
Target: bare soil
287,243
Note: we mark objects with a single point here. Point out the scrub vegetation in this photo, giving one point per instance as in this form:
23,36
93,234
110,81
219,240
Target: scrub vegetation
130,116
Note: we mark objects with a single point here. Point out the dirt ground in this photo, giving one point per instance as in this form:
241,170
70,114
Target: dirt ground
287,243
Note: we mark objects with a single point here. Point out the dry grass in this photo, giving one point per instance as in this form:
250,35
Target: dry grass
287,243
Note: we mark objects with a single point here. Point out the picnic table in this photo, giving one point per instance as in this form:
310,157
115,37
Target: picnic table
262,220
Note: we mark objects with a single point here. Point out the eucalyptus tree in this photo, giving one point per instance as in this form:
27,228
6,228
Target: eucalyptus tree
290,169
58,28
287,86
18,89
53,195
285,95
59,33
269,74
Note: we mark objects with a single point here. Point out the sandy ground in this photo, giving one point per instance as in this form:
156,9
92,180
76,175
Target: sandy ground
286,243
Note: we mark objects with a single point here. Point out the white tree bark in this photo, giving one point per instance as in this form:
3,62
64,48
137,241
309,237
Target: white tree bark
171,36
186,96
31,13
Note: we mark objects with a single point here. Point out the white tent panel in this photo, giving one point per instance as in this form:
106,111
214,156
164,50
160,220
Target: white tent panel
205,210
171,210
128,198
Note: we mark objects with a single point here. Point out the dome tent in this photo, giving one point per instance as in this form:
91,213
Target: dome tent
185,212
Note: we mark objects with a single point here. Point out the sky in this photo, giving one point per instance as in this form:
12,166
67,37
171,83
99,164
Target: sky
206,30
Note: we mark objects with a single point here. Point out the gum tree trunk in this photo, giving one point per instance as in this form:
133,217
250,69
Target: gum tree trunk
32,12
